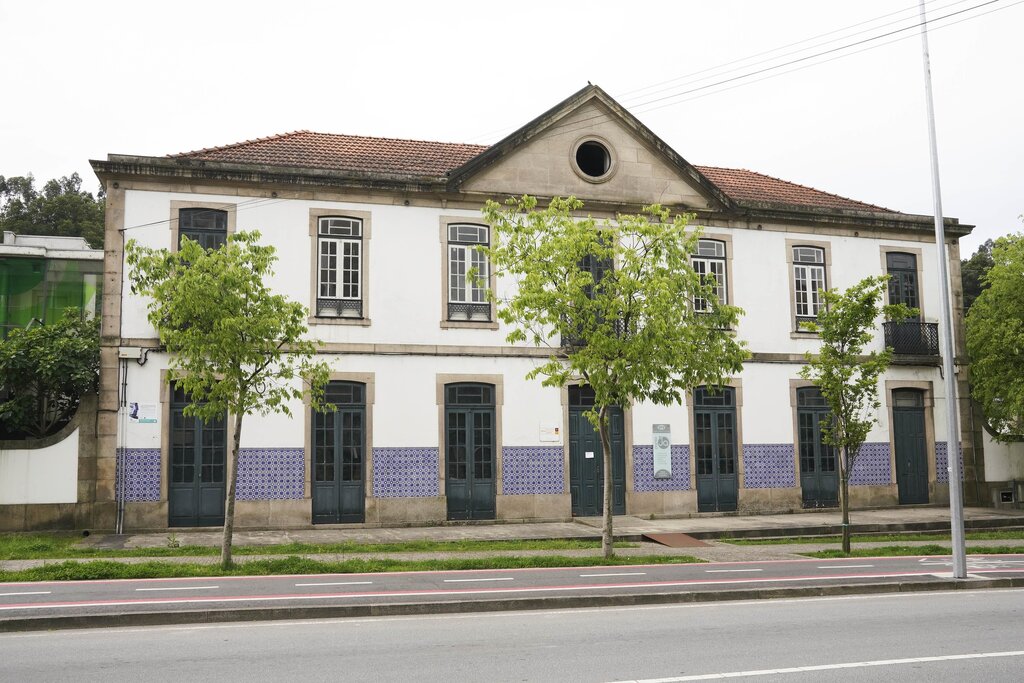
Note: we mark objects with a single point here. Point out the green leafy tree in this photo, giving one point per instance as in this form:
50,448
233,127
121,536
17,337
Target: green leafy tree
61,208
44,371
995,341
614,301
846,376
234,346
973,271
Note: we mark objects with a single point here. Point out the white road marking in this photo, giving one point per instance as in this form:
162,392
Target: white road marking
501,578
618,574
464,591
828,667
27,593
845,566
180,588
728,571
338,583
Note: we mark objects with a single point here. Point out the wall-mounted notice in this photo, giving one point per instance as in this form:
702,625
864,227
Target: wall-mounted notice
550,432
662,436
142,413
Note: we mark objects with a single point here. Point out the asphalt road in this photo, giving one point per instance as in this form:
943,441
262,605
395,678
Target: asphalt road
936,636
82,598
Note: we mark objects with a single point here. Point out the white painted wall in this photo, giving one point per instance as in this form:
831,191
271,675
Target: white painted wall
41,475
405,306
405,266
1003,461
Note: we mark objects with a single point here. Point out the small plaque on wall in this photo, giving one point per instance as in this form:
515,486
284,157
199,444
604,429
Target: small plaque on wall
550,432
662,437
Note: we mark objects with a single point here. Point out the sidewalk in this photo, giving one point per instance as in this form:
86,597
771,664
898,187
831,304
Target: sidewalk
625,527
631,529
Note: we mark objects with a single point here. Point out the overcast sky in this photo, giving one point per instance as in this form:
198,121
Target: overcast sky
86,79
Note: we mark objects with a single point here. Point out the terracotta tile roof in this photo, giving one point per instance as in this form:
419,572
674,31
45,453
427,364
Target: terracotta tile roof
390,156
749,186
307,149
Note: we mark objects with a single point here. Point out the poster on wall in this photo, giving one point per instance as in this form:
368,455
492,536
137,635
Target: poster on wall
662,436
142,413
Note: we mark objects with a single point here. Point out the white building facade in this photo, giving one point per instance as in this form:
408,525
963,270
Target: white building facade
435,420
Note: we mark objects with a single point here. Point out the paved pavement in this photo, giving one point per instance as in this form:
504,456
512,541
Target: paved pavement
704,526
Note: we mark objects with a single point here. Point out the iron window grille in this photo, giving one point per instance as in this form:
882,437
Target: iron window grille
912,338
339,267
468,273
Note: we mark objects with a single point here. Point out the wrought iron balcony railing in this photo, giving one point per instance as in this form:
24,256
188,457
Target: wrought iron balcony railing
912,338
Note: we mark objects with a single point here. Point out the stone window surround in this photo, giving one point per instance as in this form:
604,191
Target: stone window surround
925,386
737,384
441,381
917,252
315,214
790,244
368,379
178,205
446,324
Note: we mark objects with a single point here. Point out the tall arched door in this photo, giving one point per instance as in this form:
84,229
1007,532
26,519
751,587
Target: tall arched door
470,445
586,457
714,440
339,455
908,431
196,487
819,474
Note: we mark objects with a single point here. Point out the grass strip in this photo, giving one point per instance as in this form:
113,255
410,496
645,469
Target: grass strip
52,546
105,569
905,550
1003,535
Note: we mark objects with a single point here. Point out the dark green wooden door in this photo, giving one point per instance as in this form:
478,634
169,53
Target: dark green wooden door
909,440
196,485
586,458
470,451
714,436
339,448
819,475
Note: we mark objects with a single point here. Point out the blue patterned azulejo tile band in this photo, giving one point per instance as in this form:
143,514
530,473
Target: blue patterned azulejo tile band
871,467
405,472
141,467
643,469
769,466
271,473
530,470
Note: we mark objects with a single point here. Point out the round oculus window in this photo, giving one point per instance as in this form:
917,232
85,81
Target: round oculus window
593,161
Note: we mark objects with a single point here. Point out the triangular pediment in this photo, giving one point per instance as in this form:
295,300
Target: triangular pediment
542,159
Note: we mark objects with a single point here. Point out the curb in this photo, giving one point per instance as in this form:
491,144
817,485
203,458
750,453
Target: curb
220,616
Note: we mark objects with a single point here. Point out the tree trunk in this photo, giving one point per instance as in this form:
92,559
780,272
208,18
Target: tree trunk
229,503
844,497
606,457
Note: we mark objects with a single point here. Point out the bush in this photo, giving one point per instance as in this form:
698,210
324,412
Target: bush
44,371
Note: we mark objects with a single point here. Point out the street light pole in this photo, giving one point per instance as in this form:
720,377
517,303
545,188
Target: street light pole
953,458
